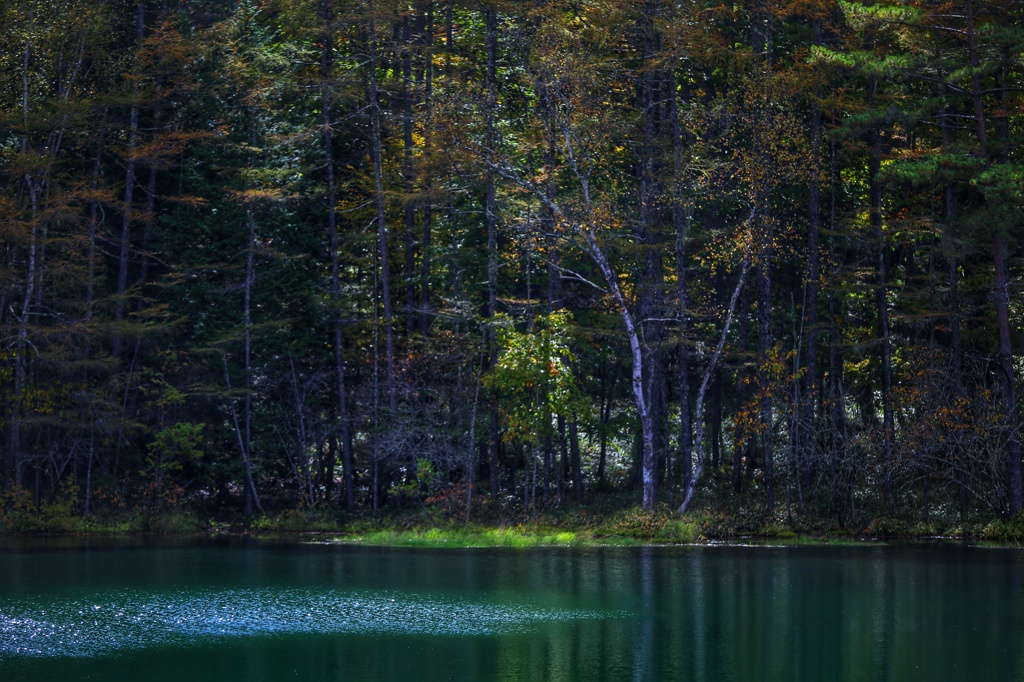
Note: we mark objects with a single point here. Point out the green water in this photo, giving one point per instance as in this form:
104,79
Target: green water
289,611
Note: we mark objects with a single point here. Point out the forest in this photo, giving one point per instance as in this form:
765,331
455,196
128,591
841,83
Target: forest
357,254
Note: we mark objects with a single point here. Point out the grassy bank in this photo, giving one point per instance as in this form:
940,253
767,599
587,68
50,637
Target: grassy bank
516,537
614,522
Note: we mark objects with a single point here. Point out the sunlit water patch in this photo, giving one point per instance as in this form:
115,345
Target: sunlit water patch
117,621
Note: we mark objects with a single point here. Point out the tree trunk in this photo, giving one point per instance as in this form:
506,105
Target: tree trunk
577,464
764,347
836,401
950,249
1012,416
251,497
1011,413
685,418
21,346
129,192
149,220
428,214
90,289
885,350
739,446
548,450
491,211
698,443
808,456
716,422
611,279
409,176
607,400
650,291
382,233
327,113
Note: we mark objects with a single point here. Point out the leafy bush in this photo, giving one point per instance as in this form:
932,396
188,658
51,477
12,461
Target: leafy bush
19,514
1005,530
751,519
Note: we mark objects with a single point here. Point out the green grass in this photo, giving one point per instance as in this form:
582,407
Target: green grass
679,531
518,537
675,531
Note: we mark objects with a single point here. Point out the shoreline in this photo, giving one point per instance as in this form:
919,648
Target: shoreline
591,525
516,538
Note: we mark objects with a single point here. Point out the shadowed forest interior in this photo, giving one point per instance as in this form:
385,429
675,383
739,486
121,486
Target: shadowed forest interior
509,256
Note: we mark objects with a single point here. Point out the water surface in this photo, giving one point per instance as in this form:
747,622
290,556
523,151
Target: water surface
234,610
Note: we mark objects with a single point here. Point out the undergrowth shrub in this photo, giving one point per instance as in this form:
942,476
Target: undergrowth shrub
888,526
638,523
297,520
167,522
19,514
1005,530
678,530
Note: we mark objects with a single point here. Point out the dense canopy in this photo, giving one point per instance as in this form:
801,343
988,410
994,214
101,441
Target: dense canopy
274,253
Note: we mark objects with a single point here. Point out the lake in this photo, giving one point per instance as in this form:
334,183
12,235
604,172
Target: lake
260,610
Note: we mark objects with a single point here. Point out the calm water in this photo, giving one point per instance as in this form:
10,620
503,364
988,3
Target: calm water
257,611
